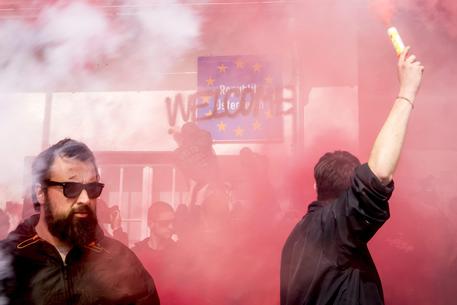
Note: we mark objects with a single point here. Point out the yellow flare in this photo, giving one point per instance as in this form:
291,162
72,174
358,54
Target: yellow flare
398,44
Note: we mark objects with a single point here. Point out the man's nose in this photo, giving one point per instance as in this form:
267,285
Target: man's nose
83,197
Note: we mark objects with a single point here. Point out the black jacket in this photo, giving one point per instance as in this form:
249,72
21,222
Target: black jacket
325,260
104,272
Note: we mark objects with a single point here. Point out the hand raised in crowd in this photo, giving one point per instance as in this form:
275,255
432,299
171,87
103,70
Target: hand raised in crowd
410,72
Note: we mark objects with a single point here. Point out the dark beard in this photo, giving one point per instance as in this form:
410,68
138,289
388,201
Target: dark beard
76,231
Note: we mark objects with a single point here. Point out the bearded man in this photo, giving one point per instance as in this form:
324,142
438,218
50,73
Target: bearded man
61,256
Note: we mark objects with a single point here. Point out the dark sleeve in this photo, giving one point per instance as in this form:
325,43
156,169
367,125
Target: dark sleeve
152,296
364,207
127,277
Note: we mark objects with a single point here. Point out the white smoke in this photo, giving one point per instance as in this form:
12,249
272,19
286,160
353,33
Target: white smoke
78,45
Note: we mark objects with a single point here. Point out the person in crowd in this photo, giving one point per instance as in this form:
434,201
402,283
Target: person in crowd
159,251
326,260
110,221
61,255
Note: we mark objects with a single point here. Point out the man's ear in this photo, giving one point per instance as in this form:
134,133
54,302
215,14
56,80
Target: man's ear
315,186
39,193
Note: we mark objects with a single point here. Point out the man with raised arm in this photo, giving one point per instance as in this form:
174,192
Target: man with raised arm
325,260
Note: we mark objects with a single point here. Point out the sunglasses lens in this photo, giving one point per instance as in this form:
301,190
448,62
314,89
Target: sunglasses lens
72,189
94,189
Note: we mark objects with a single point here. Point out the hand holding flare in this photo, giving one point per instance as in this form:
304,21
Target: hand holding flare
397,42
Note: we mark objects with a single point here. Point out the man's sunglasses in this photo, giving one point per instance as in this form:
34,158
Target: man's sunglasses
74,189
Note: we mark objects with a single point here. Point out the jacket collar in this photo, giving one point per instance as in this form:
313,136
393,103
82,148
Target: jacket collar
315,205
25,235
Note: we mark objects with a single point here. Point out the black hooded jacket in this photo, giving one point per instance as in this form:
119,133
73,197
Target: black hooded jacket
104,272
325,260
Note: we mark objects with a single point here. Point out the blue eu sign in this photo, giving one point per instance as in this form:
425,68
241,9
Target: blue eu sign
238,99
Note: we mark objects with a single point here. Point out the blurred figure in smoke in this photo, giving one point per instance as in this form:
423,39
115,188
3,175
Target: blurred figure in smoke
158,252
196,158
215,214
110,221
61,255
14,211
182,222
254,176
325,259
210,250
4,224
27,205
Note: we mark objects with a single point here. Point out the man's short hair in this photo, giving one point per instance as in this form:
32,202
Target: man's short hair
333,173
66,148
156,208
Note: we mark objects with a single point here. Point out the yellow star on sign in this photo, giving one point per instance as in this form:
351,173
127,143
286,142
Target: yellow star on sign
221,126
239,64
257,67
256,125
268,114
222,68
239,131
269,80
210,81
205,99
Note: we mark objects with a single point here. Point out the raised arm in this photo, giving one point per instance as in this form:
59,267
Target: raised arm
387,147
